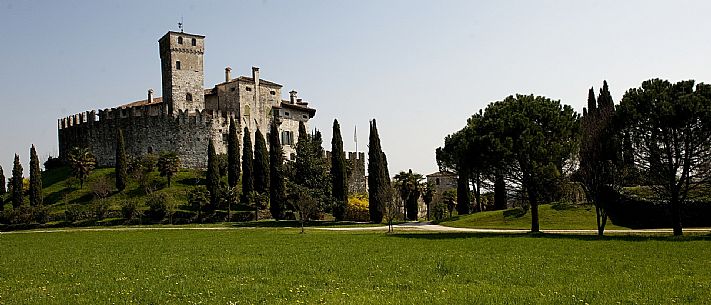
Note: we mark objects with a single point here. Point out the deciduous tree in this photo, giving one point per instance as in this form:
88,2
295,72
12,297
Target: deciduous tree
168,165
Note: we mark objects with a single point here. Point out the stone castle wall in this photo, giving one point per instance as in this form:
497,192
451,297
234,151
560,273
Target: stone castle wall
146,129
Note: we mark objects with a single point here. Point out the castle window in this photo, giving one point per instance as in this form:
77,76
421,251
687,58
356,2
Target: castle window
189,97
180,40
286,113
248,88
287,137
194,42
177,65
272,92
437,181
304,116
232,89
292,156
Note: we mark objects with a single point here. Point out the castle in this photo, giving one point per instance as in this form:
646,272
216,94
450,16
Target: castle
188,115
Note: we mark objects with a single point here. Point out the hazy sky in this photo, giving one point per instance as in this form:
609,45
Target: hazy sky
421,68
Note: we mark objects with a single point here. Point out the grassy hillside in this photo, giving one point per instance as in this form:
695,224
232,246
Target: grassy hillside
280,266
560,217
63,192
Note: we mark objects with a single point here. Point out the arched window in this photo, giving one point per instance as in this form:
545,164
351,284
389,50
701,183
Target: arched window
180,40
189,97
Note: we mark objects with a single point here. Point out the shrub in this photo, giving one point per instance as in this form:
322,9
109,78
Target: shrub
20,215
75,213
439,210
198,198
160,205
52,163
130,210
357,208
100,187
100,208
40,214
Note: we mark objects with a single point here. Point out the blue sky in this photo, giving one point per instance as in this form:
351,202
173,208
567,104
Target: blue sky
421,68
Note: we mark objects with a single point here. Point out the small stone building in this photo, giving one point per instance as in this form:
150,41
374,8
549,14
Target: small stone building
442,181
188,115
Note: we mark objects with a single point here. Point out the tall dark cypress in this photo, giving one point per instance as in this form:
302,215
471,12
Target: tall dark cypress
339,184
303,164
3,190
233,165
378,176
261,163
213,175
247,175
121,162
17,194
35,179
277,188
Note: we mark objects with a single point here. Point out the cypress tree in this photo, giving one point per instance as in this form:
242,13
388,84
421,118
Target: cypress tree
261,163
17,195
378,176
339,184
277,189
247,175
232,155
213,175
3,190
35,179
121,170
304,164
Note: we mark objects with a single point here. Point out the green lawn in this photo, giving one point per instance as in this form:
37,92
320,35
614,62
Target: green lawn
575,217
280,266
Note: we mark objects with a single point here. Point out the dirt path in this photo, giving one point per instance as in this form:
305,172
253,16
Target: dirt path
410,226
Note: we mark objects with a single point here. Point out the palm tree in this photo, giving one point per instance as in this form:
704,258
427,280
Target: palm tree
168,165
409,186
82,162
428,193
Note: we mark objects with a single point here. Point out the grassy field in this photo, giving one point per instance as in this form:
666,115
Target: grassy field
570,217
280,266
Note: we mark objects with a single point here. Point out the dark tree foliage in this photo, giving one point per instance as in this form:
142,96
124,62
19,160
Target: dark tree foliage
339,184
310,168
16,183
121,168
277,188
247,163
168,165
669,127
463,192
428,195
213,175
535,136
410,189
261,164
378,176
233,166
3,189
35,179
598,151
499,192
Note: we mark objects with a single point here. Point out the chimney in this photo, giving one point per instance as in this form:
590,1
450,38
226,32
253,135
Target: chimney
227,74
255,75
150,96
292,97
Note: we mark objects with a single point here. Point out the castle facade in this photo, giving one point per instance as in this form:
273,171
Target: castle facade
188,115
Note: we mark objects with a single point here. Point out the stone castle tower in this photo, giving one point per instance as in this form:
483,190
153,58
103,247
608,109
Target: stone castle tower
188,116
181,58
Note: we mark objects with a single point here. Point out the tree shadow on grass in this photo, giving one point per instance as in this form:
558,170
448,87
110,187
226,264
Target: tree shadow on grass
583,237
295,224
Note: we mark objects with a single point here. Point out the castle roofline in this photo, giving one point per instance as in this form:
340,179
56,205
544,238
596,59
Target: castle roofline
156,100
286,104
442,174
181,33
